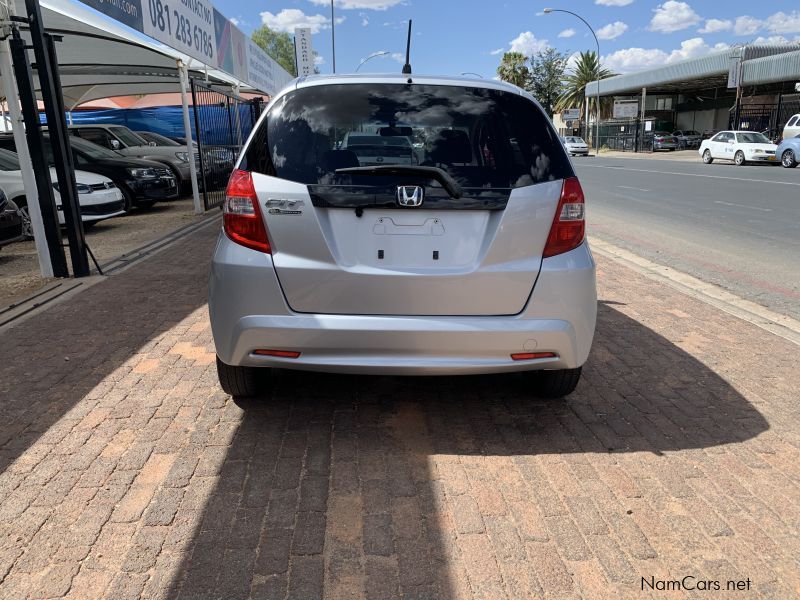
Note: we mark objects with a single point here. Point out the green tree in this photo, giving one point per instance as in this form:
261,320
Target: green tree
587,69
279,45
514,69
546,77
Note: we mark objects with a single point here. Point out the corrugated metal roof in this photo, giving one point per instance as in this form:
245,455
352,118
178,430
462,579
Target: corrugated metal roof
770,69
714,65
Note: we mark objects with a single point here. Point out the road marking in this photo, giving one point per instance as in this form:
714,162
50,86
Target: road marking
780,325
651,171
627,187
743,206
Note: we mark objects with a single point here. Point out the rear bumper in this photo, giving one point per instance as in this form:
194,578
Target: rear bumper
248,312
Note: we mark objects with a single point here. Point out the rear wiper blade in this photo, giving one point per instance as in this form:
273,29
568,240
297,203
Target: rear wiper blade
449,184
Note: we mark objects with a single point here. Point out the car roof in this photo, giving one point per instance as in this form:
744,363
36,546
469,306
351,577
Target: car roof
492,84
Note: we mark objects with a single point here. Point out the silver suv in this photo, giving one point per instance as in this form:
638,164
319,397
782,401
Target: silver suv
472,261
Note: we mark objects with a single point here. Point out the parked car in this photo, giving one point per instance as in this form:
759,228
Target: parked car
709,133
739,146
98,197
218,158
792,127
142,182
576,146
127,143
474,261
10,222
664,141
788,152
687,138
377,149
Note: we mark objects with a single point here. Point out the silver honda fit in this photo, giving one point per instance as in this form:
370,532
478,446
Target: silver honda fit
403,225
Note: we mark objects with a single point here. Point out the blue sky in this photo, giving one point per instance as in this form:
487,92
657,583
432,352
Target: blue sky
455,36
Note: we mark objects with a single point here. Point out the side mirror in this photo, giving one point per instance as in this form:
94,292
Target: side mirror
115,145
731,142
151,144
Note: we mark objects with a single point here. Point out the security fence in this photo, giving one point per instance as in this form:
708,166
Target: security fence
222,123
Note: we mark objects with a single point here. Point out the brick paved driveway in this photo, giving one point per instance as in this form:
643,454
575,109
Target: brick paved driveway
127,473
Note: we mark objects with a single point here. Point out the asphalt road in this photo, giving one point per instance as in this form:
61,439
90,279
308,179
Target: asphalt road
737,227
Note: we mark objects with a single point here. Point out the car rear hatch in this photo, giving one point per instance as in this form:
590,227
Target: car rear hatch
395,239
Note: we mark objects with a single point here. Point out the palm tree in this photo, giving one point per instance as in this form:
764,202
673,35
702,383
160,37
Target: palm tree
587,69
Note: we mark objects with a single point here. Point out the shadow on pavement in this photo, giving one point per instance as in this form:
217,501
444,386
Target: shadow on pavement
52,362
337,481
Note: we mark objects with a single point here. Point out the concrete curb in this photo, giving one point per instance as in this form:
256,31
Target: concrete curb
766,319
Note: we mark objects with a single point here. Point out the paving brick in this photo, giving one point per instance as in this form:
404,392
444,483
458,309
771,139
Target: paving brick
135,476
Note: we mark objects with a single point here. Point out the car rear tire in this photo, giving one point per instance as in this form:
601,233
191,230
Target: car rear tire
555,384
788,159
242,382
707,158
738,159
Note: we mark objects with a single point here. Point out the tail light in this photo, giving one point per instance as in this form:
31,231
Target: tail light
569,225
242,219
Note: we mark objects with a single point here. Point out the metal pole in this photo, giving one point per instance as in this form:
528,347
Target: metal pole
26,166
183,72
50,83
371,56
333,38
35,145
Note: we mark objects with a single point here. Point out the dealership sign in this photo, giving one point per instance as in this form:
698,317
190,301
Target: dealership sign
571,114
197,29
304,53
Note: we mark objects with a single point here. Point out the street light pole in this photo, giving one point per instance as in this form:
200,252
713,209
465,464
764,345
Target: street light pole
369,58
333,38
547,11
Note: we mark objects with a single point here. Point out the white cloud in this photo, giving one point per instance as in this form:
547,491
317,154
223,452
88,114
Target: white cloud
399,57
716,25
780,22
362,4
319,60
364,19
673,16
291,18
567,33
527,43
497,51
746,25
235,21
613,2
612,30
637,59
776,40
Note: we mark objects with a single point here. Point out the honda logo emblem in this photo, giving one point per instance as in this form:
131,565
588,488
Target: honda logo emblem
410,195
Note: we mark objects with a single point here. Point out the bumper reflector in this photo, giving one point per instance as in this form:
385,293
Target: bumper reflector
533,355
278,353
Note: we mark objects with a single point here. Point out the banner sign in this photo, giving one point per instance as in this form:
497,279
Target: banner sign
304,54
571,114
626,109
197,29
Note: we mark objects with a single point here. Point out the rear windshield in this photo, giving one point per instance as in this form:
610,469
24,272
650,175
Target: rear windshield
487,139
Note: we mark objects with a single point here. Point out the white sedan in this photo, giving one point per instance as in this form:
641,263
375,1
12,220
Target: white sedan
575,145
98,197
740,147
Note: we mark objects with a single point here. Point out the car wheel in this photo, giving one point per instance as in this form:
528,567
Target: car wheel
707,158
242,382
126,196
555,384
788,159
738,158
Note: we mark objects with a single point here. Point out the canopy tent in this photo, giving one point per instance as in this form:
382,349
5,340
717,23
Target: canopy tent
99,58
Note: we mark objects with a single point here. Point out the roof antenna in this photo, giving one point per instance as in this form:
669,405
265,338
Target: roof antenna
407,66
